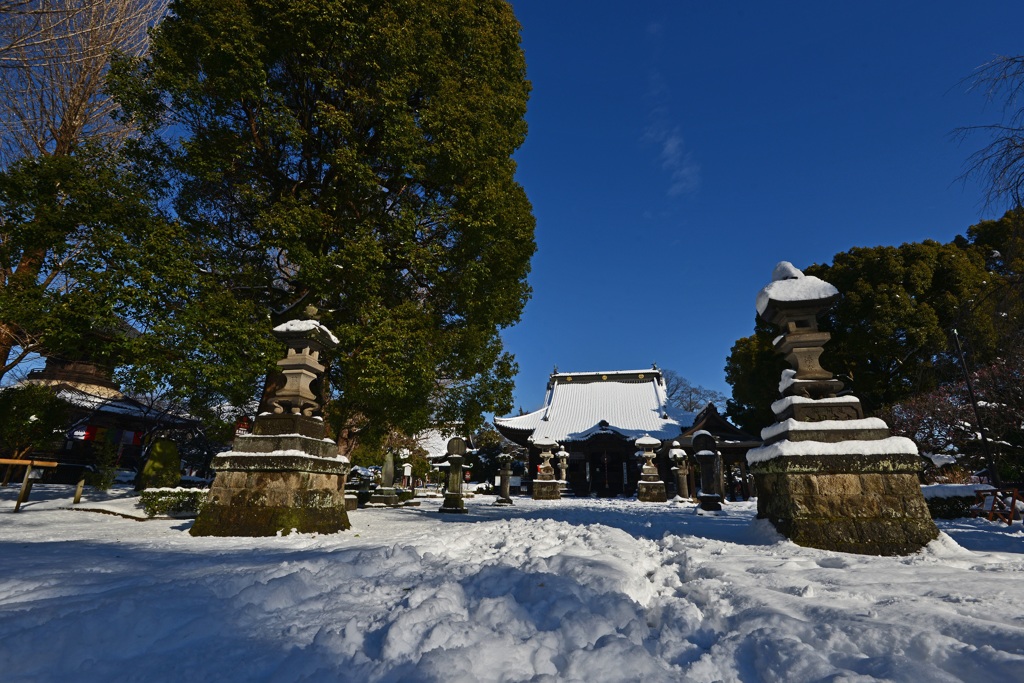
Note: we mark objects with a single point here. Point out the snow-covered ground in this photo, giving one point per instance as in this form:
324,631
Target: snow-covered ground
573,590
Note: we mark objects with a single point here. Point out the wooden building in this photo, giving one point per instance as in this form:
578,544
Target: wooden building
597,416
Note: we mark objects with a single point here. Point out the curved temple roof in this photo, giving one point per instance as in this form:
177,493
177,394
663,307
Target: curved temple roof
578,405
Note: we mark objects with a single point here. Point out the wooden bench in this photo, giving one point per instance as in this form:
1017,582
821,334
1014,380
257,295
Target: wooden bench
26,483
991,503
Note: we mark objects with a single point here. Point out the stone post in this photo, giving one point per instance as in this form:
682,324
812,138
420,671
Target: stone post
544,486
385,494
453,496
650,489
681,469
563,471
505,472
285,475
710,461
826,476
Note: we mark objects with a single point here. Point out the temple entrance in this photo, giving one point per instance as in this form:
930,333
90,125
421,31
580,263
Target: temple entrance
607,475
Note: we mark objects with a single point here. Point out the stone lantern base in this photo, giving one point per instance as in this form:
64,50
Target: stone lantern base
272,484
651,492
547,489
453,503
866,504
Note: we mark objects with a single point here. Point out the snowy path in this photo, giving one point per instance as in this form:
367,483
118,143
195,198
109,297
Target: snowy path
545,591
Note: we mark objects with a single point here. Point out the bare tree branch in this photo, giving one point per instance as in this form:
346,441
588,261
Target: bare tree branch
1000,163
54,56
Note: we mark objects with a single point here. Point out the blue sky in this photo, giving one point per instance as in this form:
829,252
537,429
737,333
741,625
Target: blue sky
678,150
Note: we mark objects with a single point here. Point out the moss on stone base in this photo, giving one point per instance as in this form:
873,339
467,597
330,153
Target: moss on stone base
862,536
235,520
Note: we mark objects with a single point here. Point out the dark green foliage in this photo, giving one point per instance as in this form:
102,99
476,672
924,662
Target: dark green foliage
950,507
355,156
177,501
104,471
753,369
31,417
162,468
892,328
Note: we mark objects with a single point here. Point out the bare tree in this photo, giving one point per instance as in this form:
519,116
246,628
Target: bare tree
692,398
1000,163
54,56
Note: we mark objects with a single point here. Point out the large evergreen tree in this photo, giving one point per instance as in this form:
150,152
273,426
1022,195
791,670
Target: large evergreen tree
354,155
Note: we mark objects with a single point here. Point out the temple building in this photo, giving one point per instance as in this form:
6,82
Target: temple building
597,416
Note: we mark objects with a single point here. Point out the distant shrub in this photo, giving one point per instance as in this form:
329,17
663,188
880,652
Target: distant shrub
172,501
162,468
952,507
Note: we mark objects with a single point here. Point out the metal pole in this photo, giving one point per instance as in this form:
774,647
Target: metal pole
989,462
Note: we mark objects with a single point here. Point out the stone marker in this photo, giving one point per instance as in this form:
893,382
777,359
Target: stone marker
827,477
286,475
650,489
545,487
453,495
710,460
505,472
682,470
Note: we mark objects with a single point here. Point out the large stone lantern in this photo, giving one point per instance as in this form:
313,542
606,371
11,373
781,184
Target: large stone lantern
826,476
286,475
545,486
453,495
650,489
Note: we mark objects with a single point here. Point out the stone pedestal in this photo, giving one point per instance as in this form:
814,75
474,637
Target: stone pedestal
276,484
545,486
650,489
384,496
866,504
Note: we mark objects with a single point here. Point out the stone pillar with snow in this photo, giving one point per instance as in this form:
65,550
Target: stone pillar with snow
826,476
711,492
681,468
285,475
505,474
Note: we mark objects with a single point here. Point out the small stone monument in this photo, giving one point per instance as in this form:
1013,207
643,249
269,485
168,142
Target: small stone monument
505,474
453,496
650,489
710,461
681,468
545,487
285,475
826,476
563,472
385,495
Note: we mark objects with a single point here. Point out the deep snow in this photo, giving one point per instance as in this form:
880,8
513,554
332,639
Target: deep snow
572,590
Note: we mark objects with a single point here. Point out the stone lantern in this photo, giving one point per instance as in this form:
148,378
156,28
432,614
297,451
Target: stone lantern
681,468
453,495
651,489
563,471
285,475
505,473
826,476
545,487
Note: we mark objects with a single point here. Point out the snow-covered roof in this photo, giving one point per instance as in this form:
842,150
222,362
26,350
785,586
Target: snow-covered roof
630,403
